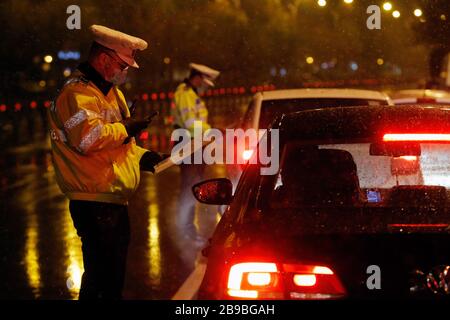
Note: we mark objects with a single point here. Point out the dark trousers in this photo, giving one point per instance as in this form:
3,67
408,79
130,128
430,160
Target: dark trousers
104,230
190,175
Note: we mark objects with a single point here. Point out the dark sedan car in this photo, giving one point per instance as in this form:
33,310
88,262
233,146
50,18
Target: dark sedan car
358,208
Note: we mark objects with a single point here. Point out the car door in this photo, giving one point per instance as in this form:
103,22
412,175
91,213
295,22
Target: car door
224,238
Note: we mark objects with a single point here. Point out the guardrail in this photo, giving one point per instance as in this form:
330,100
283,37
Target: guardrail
25,121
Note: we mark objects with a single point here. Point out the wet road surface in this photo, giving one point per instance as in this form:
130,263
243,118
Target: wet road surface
40,252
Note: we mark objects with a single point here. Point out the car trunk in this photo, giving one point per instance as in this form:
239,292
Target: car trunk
400,242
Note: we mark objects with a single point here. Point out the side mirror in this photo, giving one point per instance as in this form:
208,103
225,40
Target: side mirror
214,191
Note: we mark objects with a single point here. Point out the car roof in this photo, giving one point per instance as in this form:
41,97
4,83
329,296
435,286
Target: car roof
421,93
362,122
412,95
323,93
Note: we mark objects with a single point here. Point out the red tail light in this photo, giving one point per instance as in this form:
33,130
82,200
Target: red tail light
409,158
313,282
416,137
267,280
254,280
305,280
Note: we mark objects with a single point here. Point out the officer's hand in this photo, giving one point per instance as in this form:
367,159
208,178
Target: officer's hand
134,126
150,159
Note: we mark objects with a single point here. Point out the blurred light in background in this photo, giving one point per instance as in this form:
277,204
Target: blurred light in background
42,83
310,60
67,72
46,67
273,72
396,70
380,61
143,136
48,59
396,14
354,66
69,55
418,13
348,1
387,6
322,3
167,60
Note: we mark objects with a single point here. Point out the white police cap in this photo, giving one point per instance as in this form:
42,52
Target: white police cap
123,44
209,74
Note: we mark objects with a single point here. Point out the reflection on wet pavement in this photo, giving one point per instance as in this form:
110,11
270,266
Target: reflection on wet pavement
73,256
31,256
153,235
40,251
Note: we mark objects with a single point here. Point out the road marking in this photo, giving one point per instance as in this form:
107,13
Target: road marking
189,288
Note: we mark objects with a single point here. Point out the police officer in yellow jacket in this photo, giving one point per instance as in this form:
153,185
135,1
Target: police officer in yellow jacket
190,108
96,159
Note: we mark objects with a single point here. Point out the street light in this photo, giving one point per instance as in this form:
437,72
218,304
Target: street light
322,3
387,6
418,13
396,14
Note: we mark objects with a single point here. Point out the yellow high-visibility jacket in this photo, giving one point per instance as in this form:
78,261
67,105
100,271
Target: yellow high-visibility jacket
189,107
91,162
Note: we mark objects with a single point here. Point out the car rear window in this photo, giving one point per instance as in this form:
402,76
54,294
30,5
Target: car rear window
341,187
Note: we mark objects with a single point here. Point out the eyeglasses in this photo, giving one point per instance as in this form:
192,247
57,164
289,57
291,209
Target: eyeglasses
123,66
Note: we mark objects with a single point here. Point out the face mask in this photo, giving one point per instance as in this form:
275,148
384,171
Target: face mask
119,77
202,88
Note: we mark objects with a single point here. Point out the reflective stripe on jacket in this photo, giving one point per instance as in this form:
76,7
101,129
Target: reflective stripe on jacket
91,162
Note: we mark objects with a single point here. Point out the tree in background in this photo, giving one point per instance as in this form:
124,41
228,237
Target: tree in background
251,41
434,31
